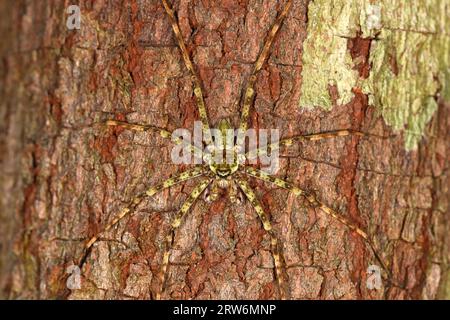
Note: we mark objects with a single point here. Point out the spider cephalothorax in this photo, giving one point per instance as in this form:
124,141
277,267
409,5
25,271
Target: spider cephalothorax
223,161
223,158
224,166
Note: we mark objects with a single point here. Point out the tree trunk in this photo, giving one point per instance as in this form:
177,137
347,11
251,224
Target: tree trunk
64,176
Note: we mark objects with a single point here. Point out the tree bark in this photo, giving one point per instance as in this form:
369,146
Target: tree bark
64,176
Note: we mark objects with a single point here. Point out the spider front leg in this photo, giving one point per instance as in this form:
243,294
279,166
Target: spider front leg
184,176
187,61
162,132
176,222
138,127
316,203
287,142
251,196
249,92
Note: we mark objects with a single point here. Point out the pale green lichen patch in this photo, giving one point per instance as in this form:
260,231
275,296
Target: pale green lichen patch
326,61
410,65
410,60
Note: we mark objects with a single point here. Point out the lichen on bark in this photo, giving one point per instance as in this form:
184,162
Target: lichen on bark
410,64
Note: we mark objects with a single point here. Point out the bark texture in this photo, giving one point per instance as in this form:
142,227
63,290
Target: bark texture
64,177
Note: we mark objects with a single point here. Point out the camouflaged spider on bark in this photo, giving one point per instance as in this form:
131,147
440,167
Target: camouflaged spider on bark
216,176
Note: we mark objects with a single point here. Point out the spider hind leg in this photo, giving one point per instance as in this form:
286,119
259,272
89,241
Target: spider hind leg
185,175
175,224
275,250
324,208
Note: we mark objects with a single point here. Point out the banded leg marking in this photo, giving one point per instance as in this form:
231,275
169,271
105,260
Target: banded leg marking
184,176
138,127
311,199
316,203
176,222
187,61
250,88
251,196
144,128
287,142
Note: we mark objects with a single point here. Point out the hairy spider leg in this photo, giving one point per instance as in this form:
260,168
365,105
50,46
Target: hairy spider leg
287,142
195,79
184,176
276,255
249,92
318,204
176,222
162,132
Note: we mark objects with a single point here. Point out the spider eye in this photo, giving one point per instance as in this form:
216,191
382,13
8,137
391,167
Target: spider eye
223,173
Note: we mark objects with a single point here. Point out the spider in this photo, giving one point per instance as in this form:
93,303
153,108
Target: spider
225,176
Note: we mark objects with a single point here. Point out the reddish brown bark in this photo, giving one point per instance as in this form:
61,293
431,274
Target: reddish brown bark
63,177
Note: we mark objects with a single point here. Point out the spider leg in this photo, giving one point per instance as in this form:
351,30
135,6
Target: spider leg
162,132
250,194
184,176
138,127
316,203
287,142
174,226
250,88
187,61
325,135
